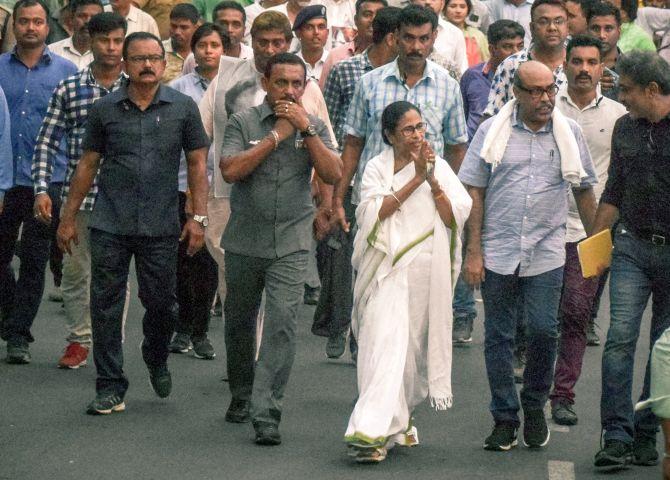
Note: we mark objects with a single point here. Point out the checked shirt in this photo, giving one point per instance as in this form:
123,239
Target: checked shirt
66,116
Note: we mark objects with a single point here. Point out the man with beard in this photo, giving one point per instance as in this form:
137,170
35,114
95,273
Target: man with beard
184,19
236,88
28,76
604,23
66,118
597,115
77,48
141,129
525,158
268,154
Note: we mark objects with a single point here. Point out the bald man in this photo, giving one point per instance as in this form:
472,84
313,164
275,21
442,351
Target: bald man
517,253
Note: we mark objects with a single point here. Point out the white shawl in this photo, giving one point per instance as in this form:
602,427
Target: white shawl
382,251
498,135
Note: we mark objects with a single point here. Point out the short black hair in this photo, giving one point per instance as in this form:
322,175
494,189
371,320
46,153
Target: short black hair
137,36
205,30
415,16
75,4
392,115
584,40
604,9
630,7
284,58
106,22
229,4
539,3
385,22
29,3
585,5
504,30
185,11
645,67
359,3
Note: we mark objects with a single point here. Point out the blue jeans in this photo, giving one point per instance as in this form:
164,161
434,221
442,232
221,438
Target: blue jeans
539,295
464,300
639,269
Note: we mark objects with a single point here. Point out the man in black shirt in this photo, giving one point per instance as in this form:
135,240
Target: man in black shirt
637,193
140,130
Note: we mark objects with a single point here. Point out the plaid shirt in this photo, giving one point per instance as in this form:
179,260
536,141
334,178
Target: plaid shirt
501,87
340,87
67,115
436,94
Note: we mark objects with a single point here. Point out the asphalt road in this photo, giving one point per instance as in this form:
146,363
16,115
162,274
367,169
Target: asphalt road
44,433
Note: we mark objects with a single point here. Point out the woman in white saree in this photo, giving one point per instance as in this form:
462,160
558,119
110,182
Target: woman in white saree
407,259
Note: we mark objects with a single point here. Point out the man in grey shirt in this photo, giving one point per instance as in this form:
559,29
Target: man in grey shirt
268,154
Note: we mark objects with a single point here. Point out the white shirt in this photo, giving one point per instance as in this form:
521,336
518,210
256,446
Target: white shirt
139,21
504,10
340,15
653,20
597,122
65,49
252,11
246,52
315,72
450,43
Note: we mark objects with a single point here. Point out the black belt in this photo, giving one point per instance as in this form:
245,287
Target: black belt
660,240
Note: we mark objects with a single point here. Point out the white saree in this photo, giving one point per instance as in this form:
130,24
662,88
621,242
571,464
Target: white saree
407,267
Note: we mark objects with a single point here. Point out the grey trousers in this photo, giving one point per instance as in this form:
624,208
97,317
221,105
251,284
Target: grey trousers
264,381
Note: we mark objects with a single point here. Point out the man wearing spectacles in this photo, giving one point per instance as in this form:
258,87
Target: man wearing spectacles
141,129
516,241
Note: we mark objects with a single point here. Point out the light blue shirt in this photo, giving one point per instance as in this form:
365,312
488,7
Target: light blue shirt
436,94
194,86
526,203
6,167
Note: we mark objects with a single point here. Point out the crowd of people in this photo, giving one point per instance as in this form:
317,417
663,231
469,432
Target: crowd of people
379,160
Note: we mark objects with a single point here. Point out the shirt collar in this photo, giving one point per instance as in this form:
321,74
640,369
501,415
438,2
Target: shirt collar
46,55
265,109
163,95
564,96
133,14
392,70
199,79
90,80
518,123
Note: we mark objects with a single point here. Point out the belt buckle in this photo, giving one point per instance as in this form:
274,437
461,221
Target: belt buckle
658,240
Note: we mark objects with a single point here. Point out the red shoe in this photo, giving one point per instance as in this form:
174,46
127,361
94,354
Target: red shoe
74,357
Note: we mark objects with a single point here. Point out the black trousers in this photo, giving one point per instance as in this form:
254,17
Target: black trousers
156,266
197,280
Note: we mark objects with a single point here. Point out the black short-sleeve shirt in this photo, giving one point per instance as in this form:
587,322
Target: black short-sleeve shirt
138,179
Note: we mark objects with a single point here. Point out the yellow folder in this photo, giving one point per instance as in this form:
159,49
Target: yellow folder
595,253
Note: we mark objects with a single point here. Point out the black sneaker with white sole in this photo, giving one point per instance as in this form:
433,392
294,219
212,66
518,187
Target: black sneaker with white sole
535,430
502,439
161,380
105,404
615,455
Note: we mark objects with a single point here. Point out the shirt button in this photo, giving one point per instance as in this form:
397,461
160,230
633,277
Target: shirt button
26,91
23,113
20,134
532,176
527,196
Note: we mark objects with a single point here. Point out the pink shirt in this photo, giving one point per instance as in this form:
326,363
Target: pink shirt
335,56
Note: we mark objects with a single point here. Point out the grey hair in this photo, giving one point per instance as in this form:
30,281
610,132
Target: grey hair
644,68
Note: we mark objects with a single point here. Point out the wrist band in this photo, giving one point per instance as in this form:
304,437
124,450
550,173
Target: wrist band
275,137
439,195
396,199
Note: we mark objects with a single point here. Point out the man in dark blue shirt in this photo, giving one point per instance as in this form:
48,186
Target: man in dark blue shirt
28,76
140,130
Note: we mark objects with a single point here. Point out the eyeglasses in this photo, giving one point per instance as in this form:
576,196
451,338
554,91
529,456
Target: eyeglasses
139,59
545,22
410,129
536,93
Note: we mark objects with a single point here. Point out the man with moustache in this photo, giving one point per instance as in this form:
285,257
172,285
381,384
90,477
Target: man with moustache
141,130
268,155
236,88
525,158
596,115
184,19
77,48
28,76
66,119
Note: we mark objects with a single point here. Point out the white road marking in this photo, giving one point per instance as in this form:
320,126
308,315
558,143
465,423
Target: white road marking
561,470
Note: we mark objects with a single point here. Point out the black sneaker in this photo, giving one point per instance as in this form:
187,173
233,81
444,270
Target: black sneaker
563,414
267,433
181,343
202,348
336,345
535,431
644,451
502,439
161,380
18,353
616,455
105,404
238,411
592,338
462,331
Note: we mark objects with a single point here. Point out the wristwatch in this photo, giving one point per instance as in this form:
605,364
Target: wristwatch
201,219
310,131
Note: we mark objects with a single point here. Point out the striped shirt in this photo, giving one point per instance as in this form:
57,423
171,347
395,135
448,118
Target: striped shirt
339,89
436,94
526,203
66,116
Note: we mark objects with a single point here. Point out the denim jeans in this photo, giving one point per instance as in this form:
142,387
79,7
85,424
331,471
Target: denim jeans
639,270
540,295
464,300
20,297
156,266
